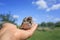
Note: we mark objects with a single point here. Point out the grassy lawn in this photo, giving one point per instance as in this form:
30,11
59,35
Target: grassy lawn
46,35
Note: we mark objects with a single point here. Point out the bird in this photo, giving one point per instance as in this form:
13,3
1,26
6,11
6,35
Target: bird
26,23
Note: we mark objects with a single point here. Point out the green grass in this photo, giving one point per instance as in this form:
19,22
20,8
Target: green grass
46,35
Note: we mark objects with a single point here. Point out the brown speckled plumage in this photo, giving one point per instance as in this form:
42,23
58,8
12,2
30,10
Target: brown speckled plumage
27,23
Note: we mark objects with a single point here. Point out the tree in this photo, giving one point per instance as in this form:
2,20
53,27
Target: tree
39,25
43,24
57,24
51,24
6,18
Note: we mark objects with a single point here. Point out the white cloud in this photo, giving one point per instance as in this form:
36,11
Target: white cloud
57,19
15,16
48,9
42,4
52,18
54,7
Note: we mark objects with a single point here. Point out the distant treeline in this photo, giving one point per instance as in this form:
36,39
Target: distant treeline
6,18
49,24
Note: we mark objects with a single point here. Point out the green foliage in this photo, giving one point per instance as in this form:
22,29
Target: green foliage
50,24
43,24
57,24
7,18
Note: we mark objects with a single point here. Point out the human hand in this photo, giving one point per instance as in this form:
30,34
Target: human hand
25,34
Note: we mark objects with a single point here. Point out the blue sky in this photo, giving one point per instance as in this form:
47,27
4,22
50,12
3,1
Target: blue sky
40,10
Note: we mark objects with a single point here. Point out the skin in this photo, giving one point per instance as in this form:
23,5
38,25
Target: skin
10,32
